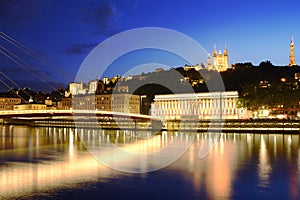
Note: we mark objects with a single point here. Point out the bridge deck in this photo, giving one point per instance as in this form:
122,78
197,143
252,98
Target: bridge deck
52,113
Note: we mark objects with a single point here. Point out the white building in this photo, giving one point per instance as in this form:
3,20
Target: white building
212,105
93,86
76,88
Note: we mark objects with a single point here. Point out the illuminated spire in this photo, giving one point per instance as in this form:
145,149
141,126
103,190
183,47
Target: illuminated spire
208,59
292,55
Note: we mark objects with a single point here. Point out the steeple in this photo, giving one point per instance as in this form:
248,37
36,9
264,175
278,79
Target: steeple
208,59
292,55
215,51
225,50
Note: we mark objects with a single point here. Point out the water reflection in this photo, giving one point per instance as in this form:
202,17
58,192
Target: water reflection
41,159
216,172
264,166
136,152
35,160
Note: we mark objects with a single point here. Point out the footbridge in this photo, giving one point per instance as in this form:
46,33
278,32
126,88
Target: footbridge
80,118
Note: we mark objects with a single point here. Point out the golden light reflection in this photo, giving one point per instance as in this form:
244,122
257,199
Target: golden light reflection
19,178
216,172
264,166
23,176
219,183
149,145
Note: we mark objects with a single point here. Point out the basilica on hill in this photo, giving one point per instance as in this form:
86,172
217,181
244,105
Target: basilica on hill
220,61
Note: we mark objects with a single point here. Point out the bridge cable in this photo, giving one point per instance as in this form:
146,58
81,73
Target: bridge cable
30,52
25,68
14,83
12,90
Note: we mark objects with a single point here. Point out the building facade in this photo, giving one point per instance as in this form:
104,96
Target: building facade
220,60
213,105
126,103
7,103
92,86
65,103
30,106
76,88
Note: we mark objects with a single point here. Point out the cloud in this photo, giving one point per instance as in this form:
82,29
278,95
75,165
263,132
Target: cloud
20,11
78,48
103,16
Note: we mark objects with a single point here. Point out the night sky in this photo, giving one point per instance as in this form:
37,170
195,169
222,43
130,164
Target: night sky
58,35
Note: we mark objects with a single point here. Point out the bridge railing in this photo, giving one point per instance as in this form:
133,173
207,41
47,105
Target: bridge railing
4,113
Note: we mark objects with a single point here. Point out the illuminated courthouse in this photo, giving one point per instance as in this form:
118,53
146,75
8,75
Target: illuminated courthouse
212,105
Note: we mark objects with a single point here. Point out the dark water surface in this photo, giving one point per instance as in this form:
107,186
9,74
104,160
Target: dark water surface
52,163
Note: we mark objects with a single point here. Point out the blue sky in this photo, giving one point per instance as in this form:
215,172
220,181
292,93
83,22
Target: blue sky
62,33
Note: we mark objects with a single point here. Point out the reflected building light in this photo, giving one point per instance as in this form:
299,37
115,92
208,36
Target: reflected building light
81,135
249,143
3,134
99,139
222,144
299,161
264,167
289,140
147,145
88,135
93,138
196,167
64,136
59,134
294,181
22,178
11,128
222,166
64,132
117,134
164,137
37,141
55,135
71,148
124,138
289,146
275,145
107,139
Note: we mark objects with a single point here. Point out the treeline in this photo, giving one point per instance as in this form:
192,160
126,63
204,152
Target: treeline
243,77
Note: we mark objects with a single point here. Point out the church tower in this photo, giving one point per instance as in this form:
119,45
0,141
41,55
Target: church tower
209,66
220,60
292,56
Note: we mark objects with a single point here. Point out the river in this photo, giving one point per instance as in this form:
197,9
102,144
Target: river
57,163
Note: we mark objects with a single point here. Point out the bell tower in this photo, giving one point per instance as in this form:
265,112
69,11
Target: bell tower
220,60
292,56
